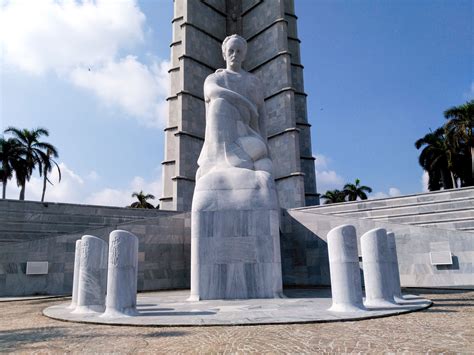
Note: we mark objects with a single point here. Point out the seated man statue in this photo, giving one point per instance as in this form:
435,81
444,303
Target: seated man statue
235,250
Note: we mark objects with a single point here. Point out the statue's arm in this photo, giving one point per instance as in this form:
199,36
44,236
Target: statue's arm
212,90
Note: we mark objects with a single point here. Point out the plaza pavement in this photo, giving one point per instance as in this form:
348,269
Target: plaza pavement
446,327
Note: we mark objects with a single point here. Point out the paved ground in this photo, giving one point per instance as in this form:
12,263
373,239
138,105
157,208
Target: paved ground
447,327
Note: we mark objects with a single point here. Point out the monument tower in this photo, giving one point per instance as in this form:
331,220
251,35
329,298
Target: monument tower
269,26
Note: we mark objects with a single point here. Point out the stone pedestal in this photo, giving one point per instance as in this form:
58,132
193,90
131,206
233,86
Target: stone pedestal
122,275
92,275
395,272
376,265
346,285
75,280
235,241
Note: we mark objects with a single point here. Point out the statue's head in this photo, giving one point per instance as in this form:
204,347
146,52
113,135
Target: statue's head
234,49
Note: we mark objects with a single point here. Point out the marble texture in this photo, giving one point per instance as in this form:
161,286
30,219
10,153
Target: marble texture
170,308
346,285
122,272
395,272
92,275
377,269
235,246
75,280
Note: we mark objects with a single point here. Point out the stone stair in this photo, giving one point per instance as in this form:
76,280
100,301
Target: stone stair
31,220
446,209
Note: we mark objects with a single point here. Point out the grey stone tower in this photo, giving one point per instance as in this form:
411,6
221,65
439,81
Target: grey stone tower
199,27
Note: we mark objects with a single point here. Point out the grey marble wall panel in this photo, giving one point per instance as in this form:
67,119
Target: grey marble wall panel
280,113
162,242
305,143
289,6
248,4
205,18
201,47
174,103
413,247
193,77
294,48
218,4
284,150
292,27
176,81
297,77
176,50
300,108
275,75
261,16
189,150
261,51
291,191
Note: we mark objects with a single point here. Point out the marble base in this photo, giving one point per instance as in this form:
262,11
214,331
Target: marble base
235,255
170,308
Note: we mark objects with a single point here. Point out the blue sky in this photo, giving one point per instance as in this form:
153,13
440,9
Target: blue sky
378,74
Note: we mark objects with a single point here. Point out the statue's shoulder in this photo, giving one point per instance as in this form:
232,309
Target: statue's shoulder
214,76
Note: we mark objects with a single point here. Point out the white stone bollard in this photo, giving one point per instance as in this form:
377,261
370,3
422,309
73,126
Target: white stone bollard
376,265
392,248
75,279
346,286
122,275
92,276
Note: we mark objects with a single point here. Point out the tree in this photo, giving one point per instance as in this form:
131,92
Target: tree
334,196
458,131
33,153
10,151
48,163
437,158
142,200
354,191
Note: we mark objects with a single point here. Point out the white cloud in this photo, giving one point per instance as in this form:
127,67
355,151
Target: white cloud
424,181
43,35
80,41
392,192
76,189
326,178
138,89
123,197
470,94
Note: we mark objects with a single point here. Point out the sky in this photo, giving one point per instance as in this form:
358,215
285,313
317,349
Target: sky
378,74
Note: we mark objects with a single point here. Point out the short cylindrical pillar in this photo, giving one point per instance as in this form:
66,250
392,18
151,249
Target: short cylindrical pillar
376,266
122,275
392,248
75,278
346,286
92,276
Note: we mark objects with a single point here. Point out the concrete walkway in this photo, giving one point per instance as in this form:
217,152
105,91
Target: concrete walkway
446,327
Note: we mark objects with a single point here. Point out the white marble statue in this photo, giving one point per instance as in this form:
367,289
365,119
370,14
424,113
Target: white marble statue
235,250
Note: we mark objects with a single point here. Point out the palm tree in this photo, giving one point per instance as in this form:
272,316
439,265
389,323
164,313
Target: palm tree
33,151
437,158
459,132
48,163
10,151
354,191
334,196
142,200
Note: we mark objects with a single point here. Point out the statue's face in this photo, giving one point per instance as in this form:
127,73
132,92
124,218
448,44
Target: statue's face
234,52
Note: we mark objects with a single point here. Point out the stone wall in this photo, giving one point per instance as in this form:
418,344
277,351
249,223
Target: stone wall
163,259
